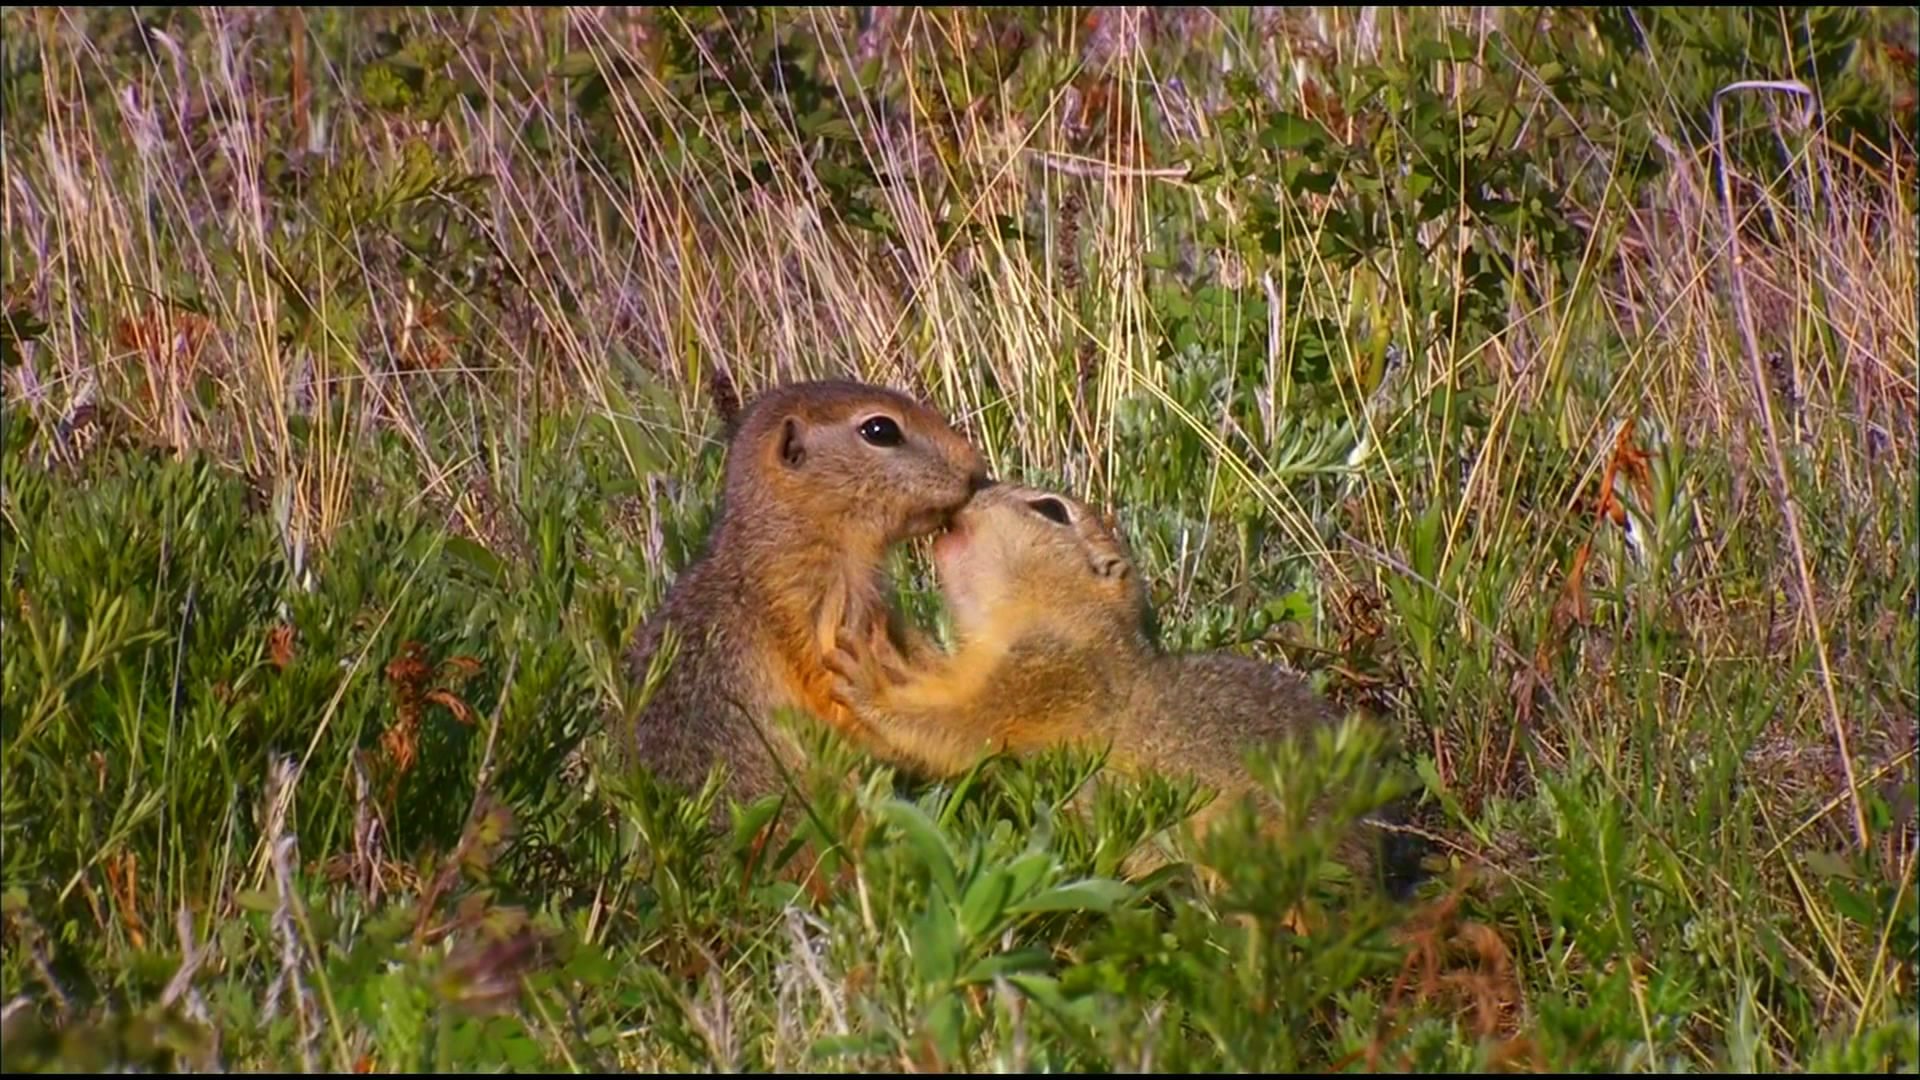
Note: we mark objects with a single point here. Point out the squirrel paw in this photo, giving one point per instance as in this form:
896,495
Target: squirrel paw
852,682
862,674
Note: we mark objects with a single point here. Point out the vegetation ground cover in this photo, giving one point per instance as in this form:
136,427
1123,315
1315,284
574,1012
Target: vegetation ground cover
1541,379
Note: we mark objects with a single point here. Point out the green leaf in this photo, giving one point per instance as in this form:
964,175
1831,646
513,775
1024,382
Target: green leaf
1026,872
1457,48
1290,132
1827,864
777,895
17,327
1419,181
983,904
926,840
832,1046
1164,875
643,453
750,819
944,1021
1856,906
989,968
833,127
1300,177
576,64
936,943
590,965
1293,607
477,558
1044,990
1100,895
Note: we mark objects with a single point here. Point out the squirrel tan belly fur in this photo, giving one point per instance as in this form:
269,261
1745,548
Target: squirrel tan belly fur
1053,649
821,478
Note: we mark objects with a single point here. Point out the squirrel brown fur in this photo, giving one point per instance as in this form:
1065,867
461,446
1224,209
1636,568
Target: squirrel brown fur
821,478
1053,648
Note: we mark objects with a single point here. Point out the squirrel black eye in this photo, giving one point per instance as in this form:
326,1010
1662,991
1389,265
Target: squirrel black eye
881,431
1052,509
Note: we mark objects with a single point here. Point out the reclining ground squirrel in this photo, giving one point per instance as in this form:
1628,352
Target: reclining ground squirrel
1053,649
821,478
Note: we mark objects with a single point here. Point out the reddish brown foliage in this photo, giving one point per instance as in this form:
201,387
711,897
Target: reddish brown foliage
1463,964
413,681
123,880
280,645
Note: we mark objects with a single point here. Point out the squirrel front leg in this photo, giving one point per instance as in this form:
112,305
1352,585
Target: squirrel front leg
934,715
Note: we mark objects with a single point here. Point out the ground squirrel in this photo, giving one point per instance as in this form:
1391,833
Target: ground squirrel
821,478
1053,649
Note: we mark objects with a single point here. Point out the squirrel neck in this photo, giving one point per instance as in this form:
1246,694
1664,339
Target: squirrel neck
1117,640
779,559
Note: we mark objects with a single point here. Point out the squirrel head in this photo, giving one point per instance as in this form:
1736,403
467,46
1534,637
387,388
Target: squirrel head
869,463
1019,554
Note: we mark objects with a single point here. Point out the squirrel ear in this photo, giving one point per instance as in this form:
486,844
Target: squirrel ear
1109,565
726,400
792,451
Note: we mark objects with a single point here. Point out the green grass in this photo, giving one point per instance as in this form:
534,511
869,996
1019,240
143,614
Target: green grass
358,408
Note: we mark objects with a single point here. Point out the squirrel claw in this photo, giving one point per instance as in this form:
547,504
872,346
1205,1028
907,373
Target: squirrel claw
842,664
849,678
839,665
863,671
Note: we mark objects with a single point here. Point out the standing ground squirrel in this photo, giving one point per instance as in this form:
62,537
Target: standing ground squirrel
821,478
1053,649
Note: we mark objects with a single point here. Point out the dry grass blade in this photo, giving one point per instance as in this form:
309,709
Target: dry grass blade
1782,489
